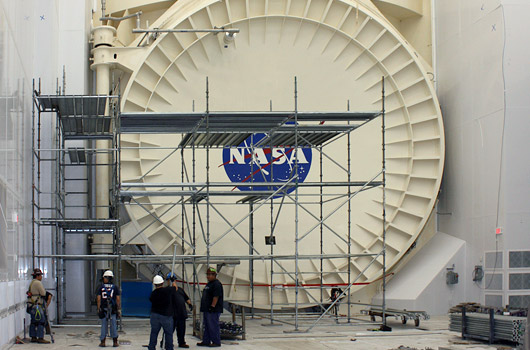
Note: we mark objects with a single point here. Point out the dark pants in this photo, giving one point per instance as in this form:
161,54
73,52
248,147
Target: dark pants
38,322
179,325
212,333
160,321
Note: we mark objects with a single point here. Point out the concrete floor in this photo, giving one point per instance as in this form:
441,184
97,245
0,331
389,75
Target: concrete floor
431,334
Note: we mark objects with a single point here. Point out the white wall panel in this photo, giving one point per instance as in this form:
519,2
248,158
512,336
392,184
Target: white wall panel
3,291
11,326
3,330
10,295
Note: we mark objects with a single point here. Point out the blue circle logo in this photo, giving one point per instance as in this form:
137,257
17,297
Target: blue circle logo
263,164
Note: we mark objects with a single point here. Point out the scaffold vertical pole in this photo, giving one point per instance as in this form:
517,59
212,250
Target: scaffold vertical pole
207,173
297,288
194,214
182,217
349,216
251,252
38,177
272,251
117,146
385,327
33,197
321,207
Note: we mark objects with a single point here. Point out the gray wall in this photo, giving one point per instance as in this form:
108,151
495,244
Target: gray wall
482,73
16,61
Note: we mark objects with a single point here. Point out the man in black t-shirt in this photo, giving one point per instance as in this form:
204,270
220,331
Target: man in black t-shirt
180,299
161,313
211,307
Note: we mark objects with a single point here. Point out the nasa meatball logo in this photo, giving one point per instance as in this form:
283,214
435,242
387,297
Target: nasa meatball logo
263,164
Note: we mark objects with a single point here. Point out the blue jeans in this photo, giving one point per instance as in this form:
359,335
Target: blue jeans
38,321
160,321
113,327
212,332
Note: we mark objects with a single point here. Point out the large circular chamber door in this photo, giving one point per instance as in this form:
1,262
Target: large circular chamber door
338,51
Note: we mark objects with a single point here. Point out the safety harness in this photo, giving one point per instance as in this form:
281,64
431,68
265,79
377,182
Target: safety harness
33,300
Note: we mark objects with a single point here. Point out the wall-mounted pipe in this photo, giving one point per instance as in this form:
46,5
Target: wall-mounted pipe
214,30
230,32
119,19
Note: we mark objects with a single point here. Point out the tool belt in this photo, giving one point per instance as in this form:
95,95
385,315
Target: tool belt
107,306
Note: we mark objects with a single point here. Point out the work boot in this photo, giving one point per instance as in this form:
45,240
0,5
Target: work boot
214,345
184,345
43,341
115,342
203,344
102,344
33,339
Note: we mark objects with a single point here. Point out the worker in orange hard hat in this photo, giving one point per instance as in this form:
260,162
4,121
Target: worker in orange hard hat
37,302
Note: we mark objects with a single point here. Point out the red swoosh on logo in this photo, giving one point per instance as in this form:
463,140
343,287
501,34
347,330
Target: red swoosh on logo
266,165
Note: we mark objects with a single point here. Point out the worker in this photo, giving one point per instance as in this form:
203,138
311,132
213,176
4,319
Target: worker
37,302
180,299
109,307
161,313
211,307
334,295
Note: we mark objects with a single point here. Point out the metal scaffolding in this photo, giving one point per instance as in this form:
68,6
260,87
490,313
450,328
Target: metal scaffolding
74,119
202,132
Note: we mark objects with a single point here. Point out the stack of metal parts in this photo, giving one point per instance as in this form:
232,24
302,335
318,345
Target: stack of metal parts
228,330
477,326
470,307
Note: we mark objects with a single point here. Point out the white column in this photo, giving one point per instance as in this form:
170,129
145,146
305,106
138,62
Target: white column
103,37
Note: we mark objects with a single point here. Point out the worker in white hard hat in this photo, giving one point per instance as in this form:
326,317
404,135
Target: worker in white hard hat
109,308
161,313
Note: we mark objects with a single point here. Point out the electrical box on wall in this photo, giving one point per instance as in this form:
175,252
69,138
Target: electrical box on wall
478,273
451,277
270,240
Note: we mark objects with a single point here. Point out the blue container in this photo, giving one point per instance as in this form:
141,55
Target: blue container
135,299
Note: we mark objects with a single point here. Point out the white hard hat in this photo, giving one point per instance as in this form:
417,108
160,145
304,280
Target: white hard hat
108,273
158,280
